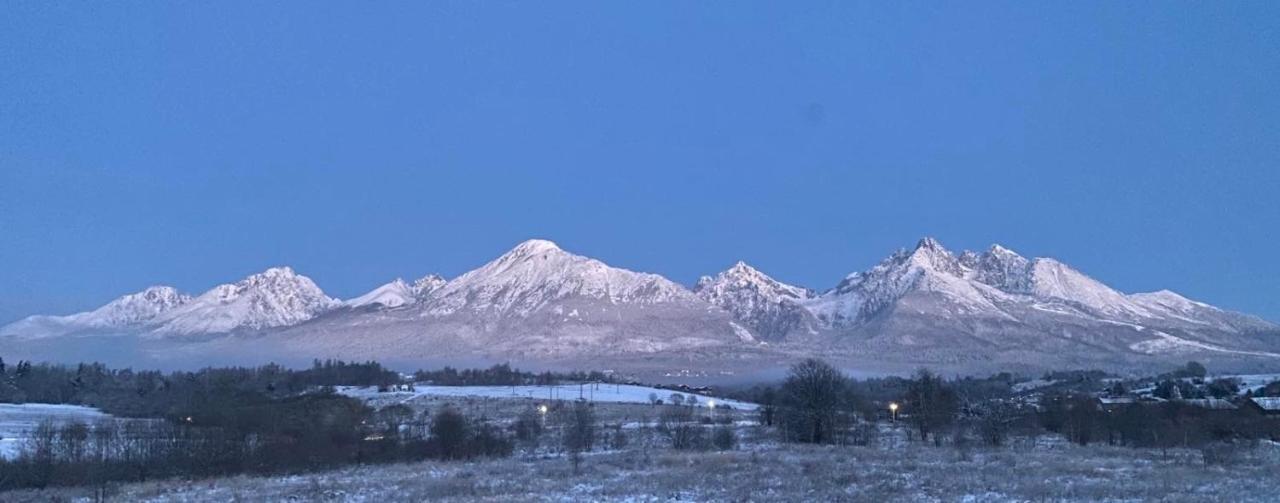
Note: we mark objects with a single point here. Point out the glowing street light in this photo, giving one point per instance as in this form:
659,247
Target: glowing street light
893,410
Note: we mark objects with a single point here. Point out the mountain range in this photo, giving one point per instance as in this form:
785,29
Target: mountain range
923,305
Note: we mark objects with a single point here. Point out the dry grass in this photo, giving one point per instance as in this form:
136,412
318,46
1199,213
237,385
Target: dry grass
764,473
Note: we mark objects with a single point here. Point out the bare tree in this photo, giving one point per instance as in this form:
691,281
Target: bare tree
677,424
449,434
811,399
932,405
579,432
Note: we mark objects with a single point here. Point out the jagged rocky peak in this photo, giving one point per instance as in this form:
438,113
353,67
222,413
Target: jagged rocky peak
930,254
1004,269
427,284
275,297
742,276
139,307
128,312
769,307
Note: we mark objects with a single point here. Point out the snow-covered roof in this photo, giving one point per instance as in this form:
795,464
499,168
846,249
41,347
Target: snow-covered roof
1211,403
1268,403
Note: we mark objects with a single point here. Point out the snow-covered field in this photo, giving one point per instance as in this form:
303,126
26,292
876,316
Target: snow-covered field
1254,382
16,421
912,472
609,393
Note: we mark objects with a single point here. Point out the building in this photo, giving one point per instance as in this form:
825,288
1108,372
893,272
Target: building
1265,405
1211,404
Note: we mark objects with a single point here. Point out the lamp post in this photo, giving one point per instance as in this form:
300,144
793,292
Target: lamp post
893,411
542,409
711,404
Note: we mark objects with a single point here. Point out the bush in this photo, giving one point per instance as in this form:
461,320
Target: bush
724,438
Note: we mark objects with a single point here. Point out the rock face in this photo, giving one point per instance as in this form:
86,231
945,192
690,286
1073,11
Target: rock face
920,306
770,308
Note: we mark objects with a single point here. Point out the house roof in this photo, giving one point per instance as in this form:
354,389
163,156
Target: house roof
1267,403
1211,403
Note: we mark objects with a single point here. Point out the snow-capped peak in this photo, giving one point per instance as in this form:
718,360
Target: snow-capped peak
128,311
537,272
426,285
535,246
137,307
394,294
1004,269
398,293
742,276
929,267
768,306
275,297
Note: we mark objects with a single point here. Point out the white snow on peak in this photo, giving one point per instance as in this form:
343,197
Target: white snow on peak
1050,278
398,293
535,246
742,277
394,294
770,307
928,268
275,297
125,312
537,272
427,285
136,307
1169,300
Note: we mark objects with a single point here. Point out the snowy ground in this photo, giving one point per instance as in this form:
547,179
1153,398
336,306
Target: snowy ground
1253,382
912,472
17,420
608,393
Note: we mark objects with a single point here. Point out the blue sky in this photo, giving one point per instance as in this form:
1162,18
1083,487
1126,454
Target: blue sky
193,144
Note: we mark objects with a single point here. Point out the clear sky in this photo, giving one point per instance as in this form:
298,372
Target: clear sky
192,143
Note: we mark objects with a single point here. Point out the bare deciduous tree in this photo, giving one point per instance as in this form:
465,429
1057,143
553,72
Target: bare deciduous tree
811,400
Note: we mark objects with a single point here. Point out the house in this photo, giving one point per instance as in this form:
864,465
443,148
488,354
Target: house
1211,403
1114,403
1265,405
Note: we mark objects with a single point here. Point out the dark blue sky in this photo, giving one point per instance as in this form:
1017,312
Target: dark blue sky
194,144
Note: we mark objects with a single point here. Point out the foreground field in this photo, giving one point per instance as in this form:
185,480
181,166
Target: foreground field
765,473
17,421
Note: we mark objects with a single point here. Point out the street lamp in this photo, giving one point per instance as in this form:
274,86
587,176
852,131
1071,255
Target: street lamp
542,409
893,411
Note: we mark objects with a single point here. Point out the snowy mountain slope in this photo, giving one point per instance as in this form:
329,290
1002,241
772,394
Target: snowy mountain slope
537,273
535,301
922,306
273,298
770,308
1000,301
398,293
426,285
394,294
929,268
127,312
